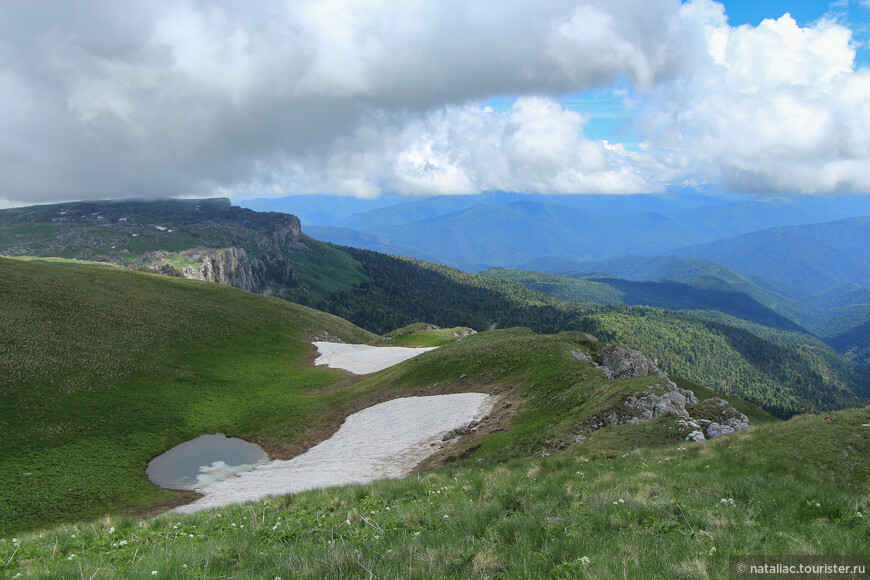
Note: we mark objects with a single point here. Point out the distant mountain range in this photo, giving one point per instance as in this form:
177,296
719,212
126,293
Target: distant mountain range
815,275
802,259
474,233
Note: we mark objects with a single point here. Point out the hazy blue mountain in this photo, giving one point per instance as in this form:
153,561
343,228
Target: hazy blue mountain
513,230
855,343
763,212
786,287
324,210
509,234
699,272
811,259
356,239
412,211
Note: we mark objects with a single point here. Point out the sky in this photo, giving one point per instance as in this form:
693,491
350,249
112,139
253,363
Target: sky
440,97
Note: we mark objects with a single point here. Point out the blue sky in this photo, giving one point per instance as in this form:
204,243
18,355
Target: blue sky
431,97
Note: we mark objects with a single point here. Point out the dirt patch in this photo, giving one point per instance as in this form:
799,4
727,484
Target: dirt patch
505,406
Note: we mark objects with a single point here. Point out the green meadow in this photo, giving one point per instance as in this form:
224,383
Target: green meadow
106,368
666,511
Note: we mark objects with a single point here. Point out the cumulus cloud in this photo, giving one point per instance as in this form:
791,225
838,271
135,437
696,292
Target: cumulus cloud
537,145
777,108
166,98
364,97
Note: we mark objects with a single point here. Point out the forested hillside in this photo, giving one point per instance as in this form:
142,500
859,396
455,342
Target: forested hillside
782,373
703,294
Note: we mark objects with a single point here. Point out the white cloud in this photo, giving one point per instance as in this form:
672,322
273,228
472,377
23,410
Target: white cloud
777,108
166,98
361,97
537,145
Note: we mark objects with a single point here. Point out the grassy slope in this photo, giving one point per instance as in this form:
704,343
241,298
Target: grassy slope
105,369
674,511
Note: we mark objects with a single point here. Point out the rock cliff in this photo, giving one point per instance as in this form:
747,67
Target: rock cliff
234,267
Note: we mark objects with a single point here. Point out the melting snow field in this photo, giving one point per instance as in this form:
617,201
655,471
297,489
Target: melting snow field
362,359
383,441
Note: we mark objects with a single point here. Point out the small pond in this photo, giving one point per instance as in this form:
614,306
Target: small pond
204,460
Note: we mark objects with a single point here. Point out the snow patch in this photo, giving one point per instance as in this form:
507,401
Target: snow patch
362,359
383,441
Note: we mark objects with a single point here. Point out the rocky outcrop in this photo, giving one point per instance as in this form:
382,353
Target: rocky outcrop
700,420
663,400
697,420
729,426
717,417
461,430
230,266
288,232
463,332
620,362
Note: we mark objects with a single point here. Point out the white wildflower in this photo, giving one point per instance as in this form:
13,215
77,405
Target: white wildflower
585,560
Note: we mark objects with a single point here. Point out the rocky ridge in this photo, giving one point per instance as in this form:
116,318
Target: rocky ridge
706,419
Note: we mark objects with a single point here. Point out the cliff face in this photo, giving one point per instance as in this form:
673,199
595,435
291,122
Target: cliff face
230,266
234,268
